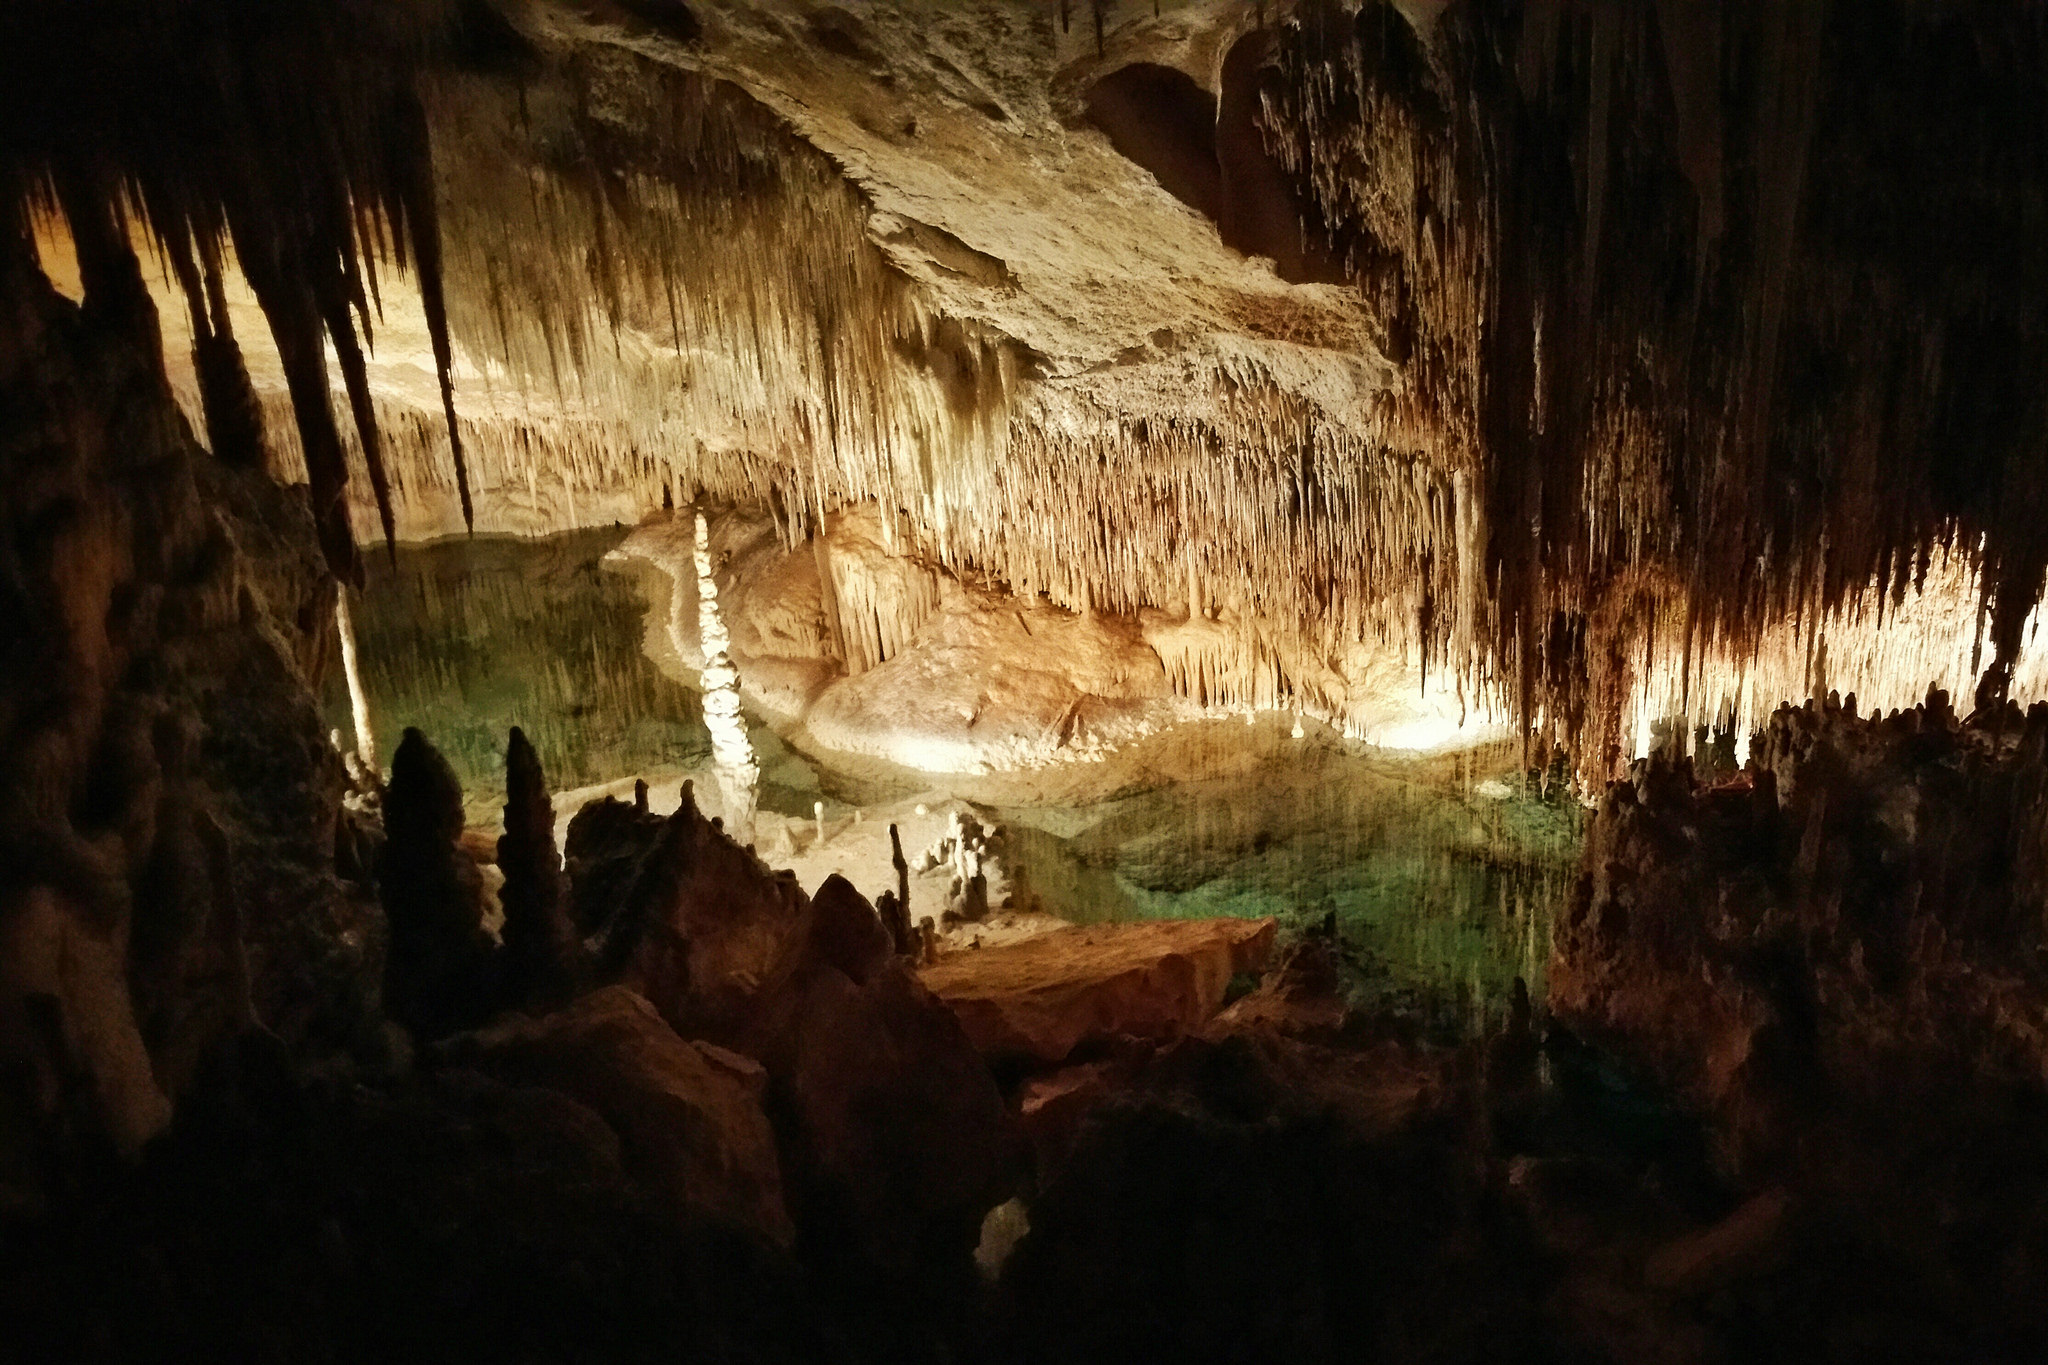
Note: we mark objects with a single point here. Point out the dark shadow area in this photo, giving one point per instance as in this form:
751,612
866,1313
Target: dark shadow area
1261,211
1212,157
1161,119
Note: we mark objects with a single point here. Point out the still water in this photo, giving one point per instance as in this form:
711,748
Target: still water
1441,877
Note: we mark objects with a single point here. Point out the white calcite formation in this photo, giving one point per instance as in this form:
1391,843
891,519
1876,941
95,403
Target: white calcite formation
732,757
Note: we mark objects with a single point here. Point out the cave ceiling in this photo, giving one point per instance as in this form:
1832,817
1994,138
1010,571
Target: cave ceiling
1559,346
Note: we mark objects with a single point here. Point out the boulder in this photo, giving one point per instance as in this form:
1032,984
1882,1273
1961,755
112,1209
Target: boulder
1043,997
1301,997
688,1114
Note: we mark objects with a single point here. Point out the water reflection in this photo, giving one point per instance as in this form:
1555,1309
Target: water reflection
1440,895
466,638
1441,879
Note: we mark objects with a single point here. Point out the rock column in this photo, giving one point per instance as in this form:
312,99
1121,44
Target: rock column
732,756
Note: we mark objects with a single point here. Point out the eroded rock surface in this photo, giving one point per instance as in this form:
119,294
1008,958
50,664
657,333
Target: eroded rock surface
1836,958
688,1115
1045,996
708,932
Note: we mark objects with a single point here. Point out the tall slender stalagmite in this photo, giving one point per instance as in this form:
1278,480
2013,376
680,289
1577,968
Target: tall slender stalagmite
543,959
732,756
352,671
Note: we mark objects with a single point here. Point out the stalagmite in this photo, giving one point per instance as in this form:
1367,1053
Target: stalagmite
351,667
542,955
732,755
441,974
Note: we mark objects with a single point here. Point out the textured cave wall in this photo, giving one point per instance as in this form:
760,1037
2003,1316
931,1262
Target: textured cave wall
1602,364
1850,931
1736,309
1837,963
170,801
1661,328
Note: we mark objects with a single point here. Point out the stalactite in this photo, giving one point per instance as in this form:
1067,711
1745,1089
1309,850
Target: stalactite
300,138
1646,371
1686,369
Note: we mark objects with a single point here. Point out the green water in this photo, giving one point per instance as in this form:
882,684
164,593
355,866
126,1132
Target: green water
1441,895
465,638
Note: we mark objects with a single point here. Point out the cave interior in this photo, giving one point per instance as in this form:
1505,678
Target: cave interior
1016,680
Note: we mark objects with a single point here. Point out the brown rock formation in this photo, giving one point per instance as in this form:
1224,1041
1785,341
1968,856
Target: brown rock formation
1045,996
167,800
1301,996
688,1115
894,1137
440,969
708,933
1857,917
601,857
543,958
846,931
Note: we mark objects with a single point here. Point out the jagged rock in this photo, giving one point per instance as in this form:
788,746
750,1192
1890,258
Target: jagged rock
688,1115
897,1139
1857,916
543,958
708,933
894,1136
601,856
440,971
1043,997
159,618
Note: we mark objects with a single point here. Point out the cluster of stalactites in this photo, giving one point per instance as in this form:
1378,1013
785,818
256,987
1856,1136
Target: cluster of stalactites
1683,283
665,255
694,291
296,135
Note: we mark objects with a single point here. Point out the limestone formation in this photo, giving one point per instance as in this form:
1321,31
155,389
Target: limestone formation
1845,924
688,1115
441,971
707,931
543,959
1043,997
847,932
601,857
